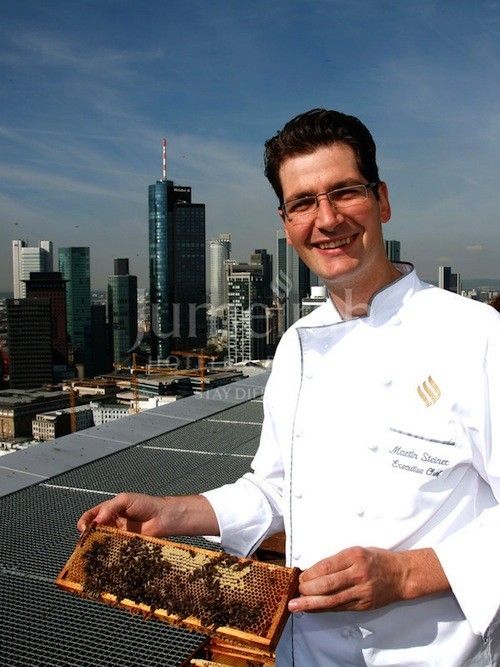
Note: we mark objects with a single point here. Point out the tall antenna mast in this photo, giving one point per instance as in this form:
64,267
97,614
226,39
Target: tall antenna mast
164,160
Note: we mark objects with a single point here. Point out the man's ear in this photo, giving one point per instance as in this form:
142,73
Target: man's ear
383,202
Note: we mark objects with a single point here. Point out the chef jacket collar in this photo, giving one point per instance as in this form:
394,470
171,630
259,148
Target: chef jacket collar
384,304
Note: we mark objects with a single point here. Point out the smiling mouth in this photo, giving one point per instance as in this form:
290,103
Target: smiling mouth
334,244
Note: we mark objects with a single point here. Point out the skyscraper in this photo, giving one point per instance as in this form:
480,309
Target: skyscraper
292,281
27,259
52,286
100,339
262,257
246,312
74,264
448,280
176,268
219,251
393,250
29,339
122,309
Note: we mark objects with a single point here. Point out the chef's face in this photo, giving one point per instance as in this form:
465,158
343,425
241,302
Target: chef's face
344,248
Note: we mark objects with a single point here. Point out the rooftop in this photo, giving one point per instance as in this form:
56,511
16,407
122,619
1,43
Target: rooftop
13,397
187,446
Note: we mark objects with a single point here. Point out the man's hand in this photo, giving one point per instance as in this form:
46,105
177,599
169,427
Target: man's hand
154,515
358,579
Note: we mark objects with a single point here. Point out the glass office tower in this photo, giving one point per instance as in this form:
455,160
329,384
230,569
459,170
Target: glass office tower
122,310
393,250
74,264
292,281
176,269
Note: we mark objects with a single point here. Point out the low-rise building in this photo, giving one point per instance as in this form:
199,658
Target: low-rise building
49,425
18,408
106,412
104,387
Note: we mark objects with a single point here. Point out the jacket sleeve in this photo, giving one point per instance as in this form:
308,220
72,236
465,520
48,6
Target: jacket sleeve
251,509
470,556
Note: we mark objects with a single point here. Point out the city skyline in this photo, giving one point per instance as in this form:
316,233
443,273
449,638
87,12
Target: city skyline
90,91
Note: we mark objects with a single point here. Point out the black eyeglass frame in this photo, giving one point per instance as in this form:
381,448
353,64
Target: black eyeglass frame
282,208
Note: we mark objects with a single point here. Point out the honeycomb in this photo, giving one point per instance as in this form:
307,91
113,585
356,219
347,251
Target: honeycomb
242,600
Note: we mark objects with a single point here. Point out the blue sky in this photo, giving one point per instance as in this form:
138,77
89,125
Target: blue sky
88,90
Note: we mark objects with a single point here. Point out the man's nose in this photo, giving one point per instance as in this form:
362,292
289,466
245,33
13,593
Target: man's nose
327,215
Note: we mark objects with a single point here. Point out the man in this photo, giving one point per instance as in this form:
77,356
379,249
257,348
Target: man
379,452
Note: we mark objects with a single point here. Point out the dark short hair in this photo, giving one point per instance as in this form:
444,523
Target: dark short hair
312,129
495,302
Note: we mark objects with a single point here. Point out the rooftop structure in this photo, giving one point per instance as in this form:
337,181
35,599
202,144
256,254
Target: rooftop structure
184,447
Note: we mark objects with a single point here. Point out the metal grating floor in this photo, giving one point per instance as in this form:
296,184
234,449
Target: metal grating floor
43,626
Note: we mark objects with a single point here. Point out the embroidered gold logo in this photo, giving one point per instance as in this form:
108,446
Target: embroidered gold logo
429,391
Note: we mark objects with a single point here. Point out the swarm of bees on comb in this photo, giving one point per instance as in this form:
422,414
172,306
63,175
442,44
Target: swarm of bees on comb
237,600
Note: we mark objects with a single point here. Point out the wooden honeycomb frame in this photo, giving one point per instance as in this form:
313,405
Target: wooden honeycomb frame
198,581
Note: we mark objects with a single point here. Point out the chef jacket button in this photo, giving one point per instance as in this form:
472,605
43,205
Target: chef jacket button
387,382
373,447
296,556
308,374
360,512
298,494
298,433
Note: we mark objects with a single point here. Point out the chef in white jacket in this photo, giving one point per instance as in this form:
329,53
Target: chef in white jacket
380,449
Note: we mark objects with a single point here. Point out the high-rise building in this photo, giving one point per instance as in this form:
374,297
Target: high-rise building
122,309
52,286
74,264
317,297
393,250
176,268
100,339
292,281
219,252
28,259
29,339
246,312
448,280
262,257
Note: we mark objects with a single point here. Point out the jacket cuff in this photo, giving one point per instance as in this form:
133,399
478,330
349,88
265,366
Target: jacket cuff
244,515
470,559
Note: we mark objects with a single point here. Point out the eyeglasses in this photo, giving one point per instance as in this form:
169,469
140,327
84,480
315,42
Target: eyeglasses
303,209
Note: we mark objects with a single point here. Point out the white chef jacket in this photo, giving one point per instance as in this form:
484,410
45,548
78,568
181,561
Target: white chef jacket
384,431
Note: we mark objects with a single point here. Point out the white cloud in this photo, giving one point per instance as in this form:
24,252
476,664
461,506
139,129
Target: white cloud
475,249
49,49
